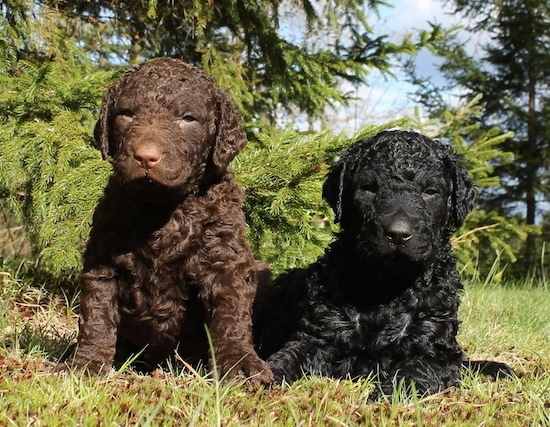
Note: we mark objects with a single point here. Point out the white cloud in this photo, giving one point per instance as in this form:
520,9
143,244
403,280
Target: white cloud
409,15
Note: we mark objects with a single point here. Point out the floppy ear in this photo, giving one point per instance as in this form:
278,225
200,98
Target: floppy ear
101,130
336,184
333,188
230,136
463,196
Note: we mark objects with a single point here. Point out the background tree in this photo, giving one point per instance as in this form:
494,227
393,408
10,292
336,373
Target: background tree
242,45
55,70
511,73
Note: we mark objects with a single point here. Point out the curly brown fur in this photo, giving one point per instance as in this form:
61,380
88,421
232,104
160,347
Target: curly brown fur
383,300
167,252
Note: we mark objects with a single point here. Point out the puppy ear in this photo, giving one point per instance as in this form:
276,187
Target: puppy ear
101,130
230,136
336,183
463,196
333,188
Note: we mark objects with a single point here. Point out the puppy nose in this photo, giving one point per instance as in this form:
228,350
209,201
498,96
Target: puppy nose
147,156
398,231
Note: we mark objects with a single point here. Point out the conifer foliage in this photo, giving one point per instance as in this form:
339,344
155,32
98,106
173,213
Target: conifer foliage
241,43
50,175
51,86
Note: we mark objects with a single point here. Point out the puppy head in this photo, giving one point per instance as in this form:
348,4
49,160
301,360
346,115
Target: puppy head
166,122
400,192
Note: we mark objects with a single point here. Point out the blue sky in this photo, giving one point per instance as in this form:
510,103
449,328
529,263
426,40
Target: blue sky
386,98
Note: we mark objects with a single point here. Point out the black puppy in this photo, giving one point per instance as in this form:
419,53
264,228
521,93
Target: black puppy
383,300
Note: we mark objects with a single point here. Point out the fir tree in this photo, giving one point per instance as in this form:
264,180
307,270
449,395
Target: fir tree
51,177
486,237
511,74
241,44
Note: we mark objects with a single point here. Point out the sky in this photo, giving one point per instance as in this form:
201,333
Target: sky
386,98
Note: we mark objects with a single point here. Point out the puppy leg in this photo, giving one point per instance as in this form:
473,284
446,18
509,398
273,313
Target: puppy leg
97,323
420,375
490,368
231,331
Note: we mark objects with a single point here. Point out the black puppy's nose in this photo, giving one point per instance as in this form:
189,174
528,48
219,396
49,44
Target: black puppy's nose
398,231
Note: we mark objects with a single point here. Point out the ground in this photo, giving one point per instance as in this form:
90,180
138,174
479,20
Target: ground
510,324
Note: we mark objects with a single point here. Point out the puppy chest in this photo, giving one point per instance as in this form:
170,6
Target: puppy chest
160,318
155,289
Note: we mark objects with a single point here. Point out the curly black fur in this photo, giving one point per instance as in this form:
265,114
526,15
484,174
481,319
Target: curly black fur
383,300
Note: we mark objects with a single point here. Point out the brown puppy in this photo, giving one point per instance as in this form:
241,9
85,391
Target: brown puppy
167,252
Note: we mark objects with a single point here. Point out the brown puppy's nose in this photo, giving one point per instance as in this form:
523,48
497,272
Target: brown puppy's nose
147,156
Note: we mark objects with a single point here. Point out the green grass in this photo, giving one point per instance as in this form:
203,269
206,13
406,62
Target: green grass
510,324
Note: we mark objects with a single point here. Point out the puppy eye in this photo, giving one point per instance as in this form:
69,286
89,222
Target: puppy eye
371,188
126,113
429,193
185,120
188,118
124,118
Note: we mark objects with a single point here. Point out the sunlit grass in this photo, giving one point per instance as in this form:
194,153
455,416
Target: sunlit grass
506,323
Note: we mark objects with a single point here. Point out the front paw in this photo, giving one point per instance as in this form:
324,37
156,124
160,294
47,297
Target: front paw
278,375
383,391
251,368
90,360
87,368
398,388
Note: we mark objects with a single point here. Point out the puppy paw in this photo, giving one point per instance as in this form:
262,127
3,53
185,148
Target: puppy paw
490,368
87,367
251,368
